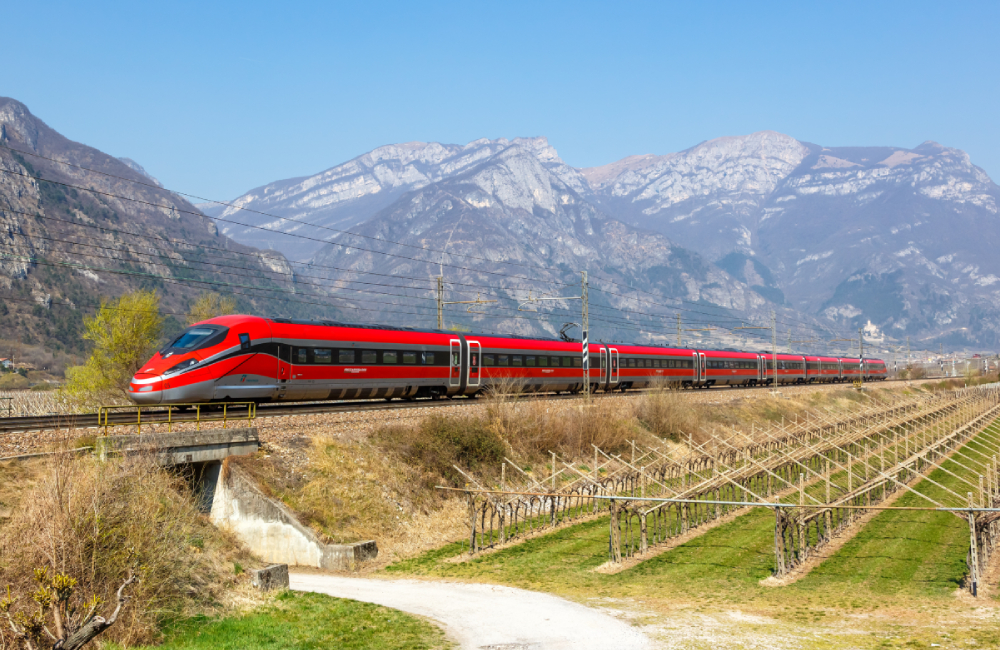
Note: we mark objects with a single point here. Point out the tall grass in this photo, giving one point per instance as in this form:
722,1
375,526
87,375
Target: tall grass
91,521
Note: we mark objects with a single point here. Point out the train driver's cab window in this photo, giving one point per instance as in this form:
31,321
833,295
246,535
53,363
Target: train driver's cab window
301,355
345,356
369,357
529,361
427,358
322,355
389,357
501,359
489,360
244,340
409,357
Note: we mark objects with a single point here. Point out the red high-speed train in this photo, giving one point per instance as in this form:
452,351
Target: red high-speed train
247,358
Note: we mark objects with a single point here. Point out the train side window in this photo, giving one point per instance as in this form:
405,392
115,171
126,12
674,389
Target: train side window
567,362
501,359
529,361
427,358
577,362
322,355
369,357
631,363
345,356
515,360
409,357
389,357
301,355
489,360
543,362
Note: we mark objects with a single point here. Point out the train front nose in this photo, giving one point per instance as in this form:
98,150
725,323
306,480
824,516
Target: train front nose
146,388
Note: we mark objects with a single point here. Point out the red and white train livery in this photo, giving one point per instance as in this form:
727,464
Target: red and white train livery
247,358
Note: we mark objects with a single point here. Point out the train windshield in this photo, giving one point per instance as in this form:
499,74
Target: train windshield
196,337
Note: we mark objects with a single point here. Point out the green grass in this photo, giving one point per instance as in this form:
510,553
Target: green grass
908,560
301,621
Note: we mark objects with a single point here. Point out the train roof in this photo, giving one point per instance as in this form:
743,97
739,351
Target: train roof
546,339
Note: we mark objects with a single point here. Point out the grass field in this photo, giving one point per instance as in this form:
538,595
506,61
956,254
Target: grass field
300,621
888,587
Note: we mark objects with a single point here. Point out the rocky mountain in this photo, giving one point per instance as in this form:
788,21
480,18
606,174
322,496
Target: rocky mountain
837,236
479,214
903,237
520,214
77,225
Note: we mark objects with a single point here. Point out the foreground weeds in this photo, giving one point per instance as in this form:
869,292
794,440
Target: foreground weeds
96,521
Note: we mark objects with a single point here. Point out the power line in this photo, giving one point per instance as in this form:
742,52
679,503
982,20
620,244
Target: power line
265,214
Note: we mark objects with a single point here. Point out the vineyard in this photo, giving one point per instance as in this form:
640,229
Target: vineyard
822,479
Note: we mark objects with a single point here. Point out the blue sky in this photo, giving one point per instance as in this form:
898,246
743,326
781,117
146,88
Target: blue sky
217,98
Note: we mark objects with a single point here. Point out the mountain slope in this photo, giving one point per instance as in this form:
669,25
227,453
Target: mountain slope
900,236
523,212
101,228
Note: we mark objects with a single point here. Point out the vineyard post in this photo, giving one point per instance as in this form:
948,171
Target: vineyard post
973,551
472,520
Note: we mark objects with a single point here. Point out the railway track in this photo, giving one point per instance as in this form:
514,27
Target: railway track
22,424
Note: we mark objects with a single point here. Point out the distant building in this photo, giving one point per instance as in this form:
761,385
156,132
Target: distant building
872,332
5,363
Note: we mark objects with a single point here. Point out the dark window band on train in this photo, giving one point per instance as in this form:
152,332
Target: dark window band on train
350,356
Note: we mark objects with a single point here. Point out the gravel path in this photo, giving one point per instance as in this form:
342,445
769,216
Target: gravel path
488,617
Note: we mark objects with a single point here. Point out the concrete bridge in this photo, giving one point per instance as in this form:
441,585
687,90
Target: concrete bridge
232,499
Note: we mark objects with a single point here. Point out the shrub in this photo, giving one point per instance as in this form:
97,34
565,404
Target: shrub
210,305
124,333
13,381
439,442
86,518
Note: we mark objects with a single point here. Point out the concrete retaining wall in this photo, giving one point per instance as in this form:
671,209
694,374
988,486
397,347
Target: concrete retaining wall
272,532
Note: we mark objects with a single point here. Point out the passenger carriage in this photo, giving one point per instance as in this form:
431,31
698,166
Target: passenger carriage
247,358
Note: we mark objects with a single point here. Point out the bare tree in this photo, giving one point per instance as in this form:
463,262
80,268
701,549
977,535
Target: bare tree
62,620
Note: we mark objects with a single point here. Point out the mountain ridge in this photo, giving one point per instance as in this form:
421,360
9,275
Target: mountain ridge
797,212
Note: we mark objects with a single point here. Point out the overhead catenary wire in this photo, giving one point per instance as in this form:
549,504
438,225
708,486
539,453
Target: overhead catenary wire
522,278
326,241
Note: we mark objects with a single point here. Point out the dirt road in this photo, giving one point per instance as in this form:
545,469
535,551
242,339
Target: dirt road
488,617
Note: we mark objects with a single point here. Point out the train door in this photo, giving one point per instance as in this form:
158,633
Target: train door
284,369
704,366
455,363
614,375
603,353
475,357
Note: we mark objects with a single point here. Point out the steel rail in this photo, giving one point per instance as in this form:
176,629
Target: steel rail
28,423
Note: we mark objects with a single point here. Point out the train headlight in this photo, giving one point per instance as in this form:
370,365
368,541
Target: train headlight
183,365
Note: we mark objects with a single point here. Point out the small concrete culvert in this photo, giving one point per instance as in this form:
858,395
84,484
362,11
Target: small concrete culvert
488,617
